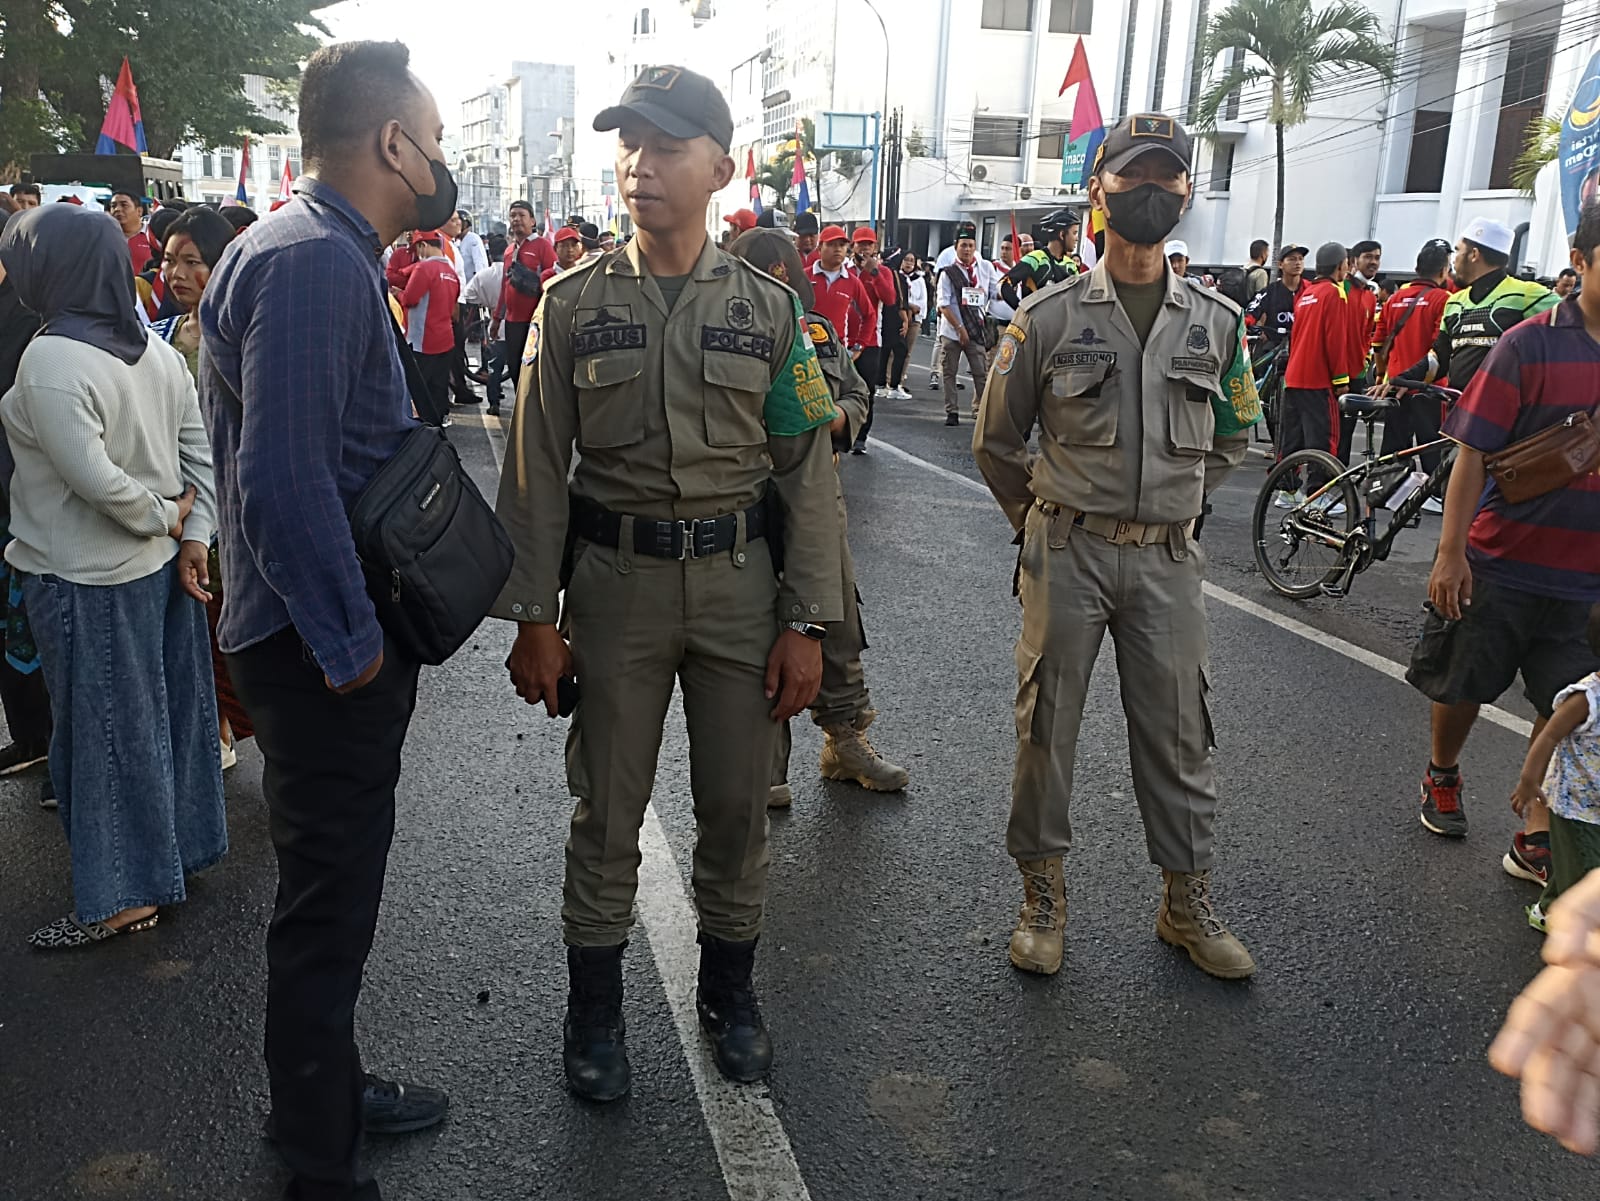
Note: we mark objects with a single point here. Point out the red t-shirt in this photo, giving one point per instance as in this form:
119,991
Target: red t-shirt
1319,351
401,260
141,250
1537,376
432,289
538,256
845,304
1416,337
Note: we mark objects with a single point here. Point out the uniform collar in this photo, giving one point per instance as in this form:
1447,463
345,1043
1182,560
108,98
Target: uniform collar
1102,288
710,265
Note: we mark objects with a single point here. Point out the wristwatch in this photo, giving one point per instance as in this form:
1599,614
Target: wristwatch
810,630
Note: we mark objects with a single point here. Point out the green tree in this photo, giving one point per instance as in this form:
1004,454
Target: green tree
777,173
1541,142
1295,49
58,59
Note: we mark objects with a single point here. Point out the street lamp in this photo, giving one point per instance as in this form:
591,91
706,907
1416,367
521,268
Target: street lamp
877,164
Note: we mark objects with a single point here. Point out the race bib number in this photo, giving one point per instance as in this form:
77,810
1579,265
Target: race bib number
974,298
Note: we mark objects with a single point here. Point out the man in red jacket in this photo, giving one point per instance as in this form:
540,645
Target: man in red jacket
1407,328
527,258
1319,365
1361,295
877,281
429,299
838,294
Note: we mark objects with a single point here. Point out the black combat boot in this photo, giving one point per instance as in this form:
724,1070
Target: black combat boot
726,1002
595,1051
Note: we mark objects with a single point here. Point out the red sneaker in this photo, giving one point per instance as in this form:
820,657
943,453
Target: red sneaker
1442,811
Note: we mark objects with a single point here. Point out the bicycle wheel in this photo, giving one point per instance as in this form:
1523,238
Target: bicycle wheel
1292,558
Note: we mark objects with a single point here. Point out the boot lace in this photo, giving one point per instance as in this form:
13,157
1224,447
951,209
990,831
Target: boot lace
734,997
1446,793
1200,907
1043,897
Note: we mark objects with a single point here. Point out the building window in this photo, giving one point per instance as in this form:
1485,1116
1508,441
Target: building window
1221,168
1053,137
1071,16
208,166
1522,98
1008,14
1163,38
275,161
998,137
227,165
643,24
1430,138
1127,55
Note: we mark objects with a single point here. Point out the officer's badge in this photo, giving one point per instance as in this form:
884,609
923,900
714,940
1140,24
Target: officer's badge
819,333
1151,125
779,271
664,78
1007,356
741,313
1088,338
1199,340
530,349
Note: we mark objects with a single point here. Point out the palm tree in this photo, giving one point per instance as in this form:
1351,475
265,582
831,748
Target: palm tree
777,173
1541,142
1295,49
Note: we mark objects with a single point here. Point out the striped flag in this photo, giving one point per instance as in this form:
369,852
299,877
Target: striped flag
286,183
804,190
123,129
1086,118
241,195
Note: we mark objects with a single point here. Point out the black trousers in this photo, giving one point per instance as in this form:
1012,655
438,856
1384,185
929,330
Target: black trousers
1415,422
1309,421
516,333
26,704
460,386
895,350
332,763
435,370
870,365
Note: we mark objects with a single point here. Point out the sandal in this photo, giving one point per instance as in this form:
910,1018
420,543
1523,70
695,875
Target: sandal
70,932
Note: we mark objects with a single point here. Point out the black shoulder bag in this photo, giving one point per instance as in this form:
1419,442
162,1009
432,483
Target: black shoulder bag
434,554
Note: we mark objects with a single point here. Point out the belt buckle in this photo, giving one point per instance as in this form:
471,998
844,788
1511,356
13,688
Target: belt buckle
690,535
1123,534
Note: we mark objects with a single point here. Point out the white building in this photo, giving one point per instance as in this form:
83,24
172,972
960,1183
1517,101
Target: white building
212,176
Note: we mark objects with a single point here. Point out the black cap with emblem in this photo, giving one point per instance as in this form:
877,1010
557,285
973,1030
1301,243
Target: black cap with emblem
1141,134
678,102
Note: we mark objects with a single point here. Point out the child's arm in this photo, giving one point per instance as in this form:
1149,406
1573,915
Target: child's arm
1569,715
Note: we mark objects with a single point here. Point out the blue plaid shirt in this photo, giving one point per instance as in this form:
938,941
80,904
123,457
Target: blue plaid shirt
295,323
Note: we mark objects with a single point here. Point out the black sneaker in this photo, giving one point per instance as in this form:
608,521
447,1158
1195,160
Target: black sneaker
951,419
389,1107
19,756
1529,857
1442,810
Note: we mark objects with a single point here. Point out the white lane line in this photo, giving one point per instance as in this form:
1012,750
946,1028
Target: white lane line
757,1161
1349,650
752,1147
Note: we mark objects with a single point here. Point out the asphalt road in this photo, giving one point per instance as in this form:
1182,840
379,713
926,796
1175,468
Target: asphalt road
913,1062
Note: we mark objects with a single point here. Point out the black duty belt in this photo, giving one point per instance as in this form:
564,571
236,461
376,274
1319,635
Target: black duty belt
692,539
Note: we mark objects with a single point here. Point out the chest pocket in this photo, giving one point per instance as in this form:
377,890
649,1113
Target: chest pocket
1083,411
1191,425
610,406
735,394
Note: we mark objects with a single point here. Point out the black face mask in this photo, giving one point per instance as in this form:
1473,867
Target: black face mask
438,206
1144,215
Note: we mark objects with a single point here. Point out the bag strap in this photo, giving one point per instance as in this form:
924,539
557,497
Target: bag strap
427,410
1416,303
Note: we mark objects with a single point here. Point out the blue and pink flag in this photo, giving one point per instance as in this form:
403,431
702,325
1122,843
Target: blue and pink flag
1088,128
799,179
241,195
123,129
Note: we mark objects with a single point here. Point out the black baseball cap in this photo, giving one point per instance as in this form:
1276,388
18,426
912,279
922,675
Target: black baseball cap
807,223
1140,134
678,102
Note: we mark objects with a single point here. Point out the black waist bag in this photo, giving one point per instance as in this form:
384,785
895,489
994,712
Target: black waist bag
434,554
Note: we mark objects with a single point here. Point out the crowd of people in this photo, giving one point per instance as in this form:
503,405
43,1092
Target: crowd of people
191,395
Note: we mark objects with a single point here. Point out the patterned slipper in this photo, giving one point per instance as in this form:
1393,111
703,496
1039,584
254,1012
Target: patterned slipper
70,932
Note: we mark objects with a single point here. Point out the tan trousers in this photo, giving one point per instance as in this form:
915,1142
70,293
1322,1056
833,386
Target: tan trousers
843,696
638,624
950,355
1076,586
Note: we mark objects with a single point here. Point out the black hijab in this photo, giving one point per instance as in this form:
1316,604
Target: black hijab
70,266
17,327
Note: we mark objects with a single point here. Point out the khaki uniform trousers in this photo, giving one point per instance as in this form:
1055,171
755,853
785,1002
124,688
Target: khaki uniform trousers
1075,586
637,624
951,353
843,696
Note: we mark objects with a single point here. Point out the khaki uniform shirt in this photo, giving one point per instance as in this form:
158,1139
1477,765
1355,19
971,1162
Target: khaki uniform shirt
669,413
1126,431
844,381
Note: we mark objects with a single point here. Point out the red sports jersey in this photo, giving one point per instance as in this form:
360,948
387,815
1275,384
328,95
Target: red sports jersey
879,290
141,250
845,304
538,256
1416,337
1361,304
432,289
1319,350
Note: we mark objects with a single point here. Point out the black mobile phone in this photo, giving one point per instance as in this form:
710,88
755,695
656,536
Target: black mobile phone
567,695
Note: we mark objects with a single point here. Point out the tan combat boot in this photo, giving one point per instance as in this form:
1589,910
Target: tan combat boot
1036,942
1188,920
847,755
780,796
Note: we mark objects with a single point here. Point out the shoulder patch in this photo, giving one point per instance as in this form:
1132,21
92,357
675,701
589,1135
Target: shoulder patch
1016,331
819,333
1006,357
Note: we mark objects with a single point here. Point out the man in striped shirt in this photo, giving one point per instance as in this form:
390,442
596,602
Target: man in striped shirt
1513,584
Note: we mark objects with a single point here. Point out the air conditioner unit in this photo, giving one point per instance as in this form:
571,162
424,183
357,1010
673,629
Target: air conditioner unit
1025,194
980,173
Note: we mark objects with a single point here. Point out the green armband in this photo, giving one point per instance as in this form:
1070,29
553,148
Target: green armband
800,399
1239,406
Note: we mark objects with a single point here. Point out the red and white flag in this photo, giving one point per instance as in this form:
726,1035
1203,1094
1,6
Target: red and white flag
286,184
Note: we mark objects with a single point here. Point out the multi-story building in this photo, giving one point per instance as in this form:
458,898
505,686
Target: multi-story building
213,175
510,141
480,169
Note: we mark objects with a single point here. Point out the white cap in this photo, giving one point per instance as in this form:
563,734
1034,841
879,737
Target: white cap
1495,235
1176,246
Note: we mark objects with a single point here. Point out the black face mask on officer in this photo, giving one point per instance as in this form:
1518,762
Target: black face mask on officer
436,207
1144,215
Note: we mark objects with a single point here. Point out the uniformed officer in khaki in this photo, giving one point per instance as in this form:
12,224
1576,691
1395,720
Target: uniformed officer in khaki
1124,369
682,377
843,707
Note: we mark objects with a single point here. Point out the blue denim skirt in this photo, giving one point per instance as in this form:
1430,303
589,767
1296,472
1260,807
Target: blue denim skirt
134,756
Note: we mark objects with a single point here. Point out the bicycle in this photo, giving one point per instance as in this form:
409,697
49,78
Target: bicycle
1322,541
1266,364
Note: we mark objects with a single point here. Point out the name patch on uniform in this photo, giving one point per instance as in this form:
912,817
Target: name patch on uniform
733,341
613,337
1084,358
1208,365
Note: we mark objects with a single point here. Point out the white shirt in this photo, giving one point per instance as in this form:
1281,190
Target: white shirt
917,294
473,257
988,284
483,289
998,308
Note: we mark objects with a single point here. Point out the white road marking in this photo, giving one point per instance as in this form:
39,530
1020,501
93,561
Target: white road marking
753,1149
1349,650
